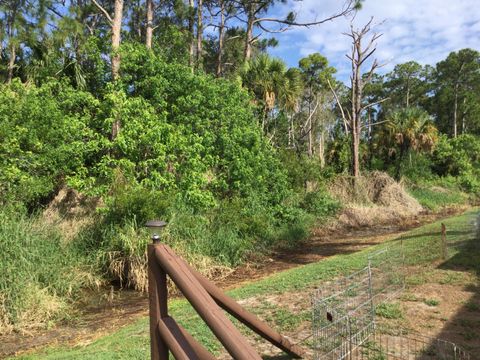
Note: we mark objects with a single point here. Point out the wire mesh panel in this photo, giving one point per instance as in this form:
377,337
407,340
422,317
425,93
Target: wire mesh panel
343,315
414,347
454,245
387,272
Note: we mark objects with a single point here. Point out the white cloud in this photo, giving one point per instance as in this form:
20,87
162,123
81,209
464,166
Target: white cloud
422,30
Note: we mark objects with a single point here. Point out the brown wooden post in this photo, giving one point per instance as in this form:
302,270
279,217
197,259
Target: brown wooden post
157,295
202,302
182,345
444,242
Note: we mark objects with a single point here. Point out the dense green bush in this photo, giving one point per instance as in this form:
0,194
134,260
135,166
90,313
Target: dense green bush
190,151
44,137
321,204
459,157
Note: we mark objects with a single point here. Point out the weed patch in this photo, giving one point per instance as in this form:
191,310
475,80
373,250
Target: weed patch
389,311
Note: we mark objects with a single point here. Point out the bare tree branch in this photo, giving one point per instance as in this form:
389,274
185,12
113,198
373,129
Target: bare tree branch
377,123
105,12
374,103
345,120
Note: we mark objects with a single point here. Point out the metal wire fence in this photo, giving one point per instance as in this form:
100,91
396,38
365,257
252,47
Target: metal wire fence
344,309
344,316
382,347
454,246
387,267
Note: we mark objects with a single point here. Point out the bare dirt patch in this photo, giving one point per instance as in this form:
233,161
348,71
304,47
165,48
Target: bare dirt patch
449,311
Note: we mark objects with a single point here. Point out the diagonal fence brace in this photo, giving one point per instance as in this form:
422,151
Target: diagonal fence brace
208,300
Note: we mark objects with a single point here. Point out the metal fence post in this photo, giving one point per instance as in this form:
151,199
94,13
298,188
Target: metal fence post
444,242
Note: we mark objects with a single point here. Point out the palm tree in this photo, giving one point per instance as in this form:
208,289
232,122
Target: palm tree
273,85
410,129
289,96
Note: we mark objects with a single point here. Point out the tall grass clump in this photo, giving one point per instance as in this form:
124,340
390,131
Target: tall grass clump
214,240
40,276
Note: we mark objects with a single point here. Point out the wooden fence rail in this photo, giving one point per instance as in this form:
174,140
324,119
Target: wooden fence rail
208,301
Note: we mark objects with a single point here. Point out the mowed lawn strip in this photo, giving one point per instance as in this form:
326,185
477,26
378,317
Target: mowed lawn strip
421,245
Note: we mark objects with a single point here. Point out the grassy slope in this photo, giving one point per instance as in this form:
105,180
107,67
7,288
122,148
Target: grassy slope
132,342
435,200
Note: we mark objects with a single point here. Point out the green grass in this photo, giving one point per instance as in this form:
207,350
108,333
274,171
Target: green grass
472,306
40,276
389,311
434,200
431,302
132,342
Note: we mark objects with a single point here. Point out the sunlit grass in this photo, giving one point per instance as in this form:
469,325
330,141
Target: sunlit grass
132,342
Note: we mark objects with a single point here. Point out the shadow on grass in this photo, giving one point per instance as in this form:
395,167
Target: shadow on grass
464,328
434,233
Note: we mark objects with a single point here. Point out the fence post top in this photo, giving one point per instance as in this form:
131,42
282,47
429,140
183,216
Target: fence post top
156,227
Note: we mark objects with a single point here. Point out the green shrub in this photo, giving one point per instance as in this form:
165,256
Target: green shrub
459,157
44,138
321,204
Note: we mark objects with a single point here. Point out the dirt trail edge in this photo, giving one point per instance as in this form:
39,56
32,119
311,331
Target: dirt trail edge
110,311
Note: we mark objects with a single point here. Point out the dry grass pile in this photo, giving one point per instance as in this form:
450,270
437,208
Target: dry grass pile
132,270
70,211
377,199
128,262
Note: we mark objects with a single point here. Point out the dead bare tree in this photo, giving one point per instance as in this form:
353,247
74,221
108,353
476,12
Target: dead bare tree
353,119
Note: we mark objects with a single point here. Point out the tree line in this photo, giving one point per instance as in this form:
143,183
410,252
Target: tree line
303,109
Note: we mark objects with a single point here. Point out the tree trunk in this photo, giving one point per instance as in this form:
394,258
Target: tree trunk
399,162
355,156
309,129
408,91
221,30
1,40
11,62
191,22
321,149
310,140
116,37
289,139
149,29
455,110
369,125
247,54
199,33
356,114
11,45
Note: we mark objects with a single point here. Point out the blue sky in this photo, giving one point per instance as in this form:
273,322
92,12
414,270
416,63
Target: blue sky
422,30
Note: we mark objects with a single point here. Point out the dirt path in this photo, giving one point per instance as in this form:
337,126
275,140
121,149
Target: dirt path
108,313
